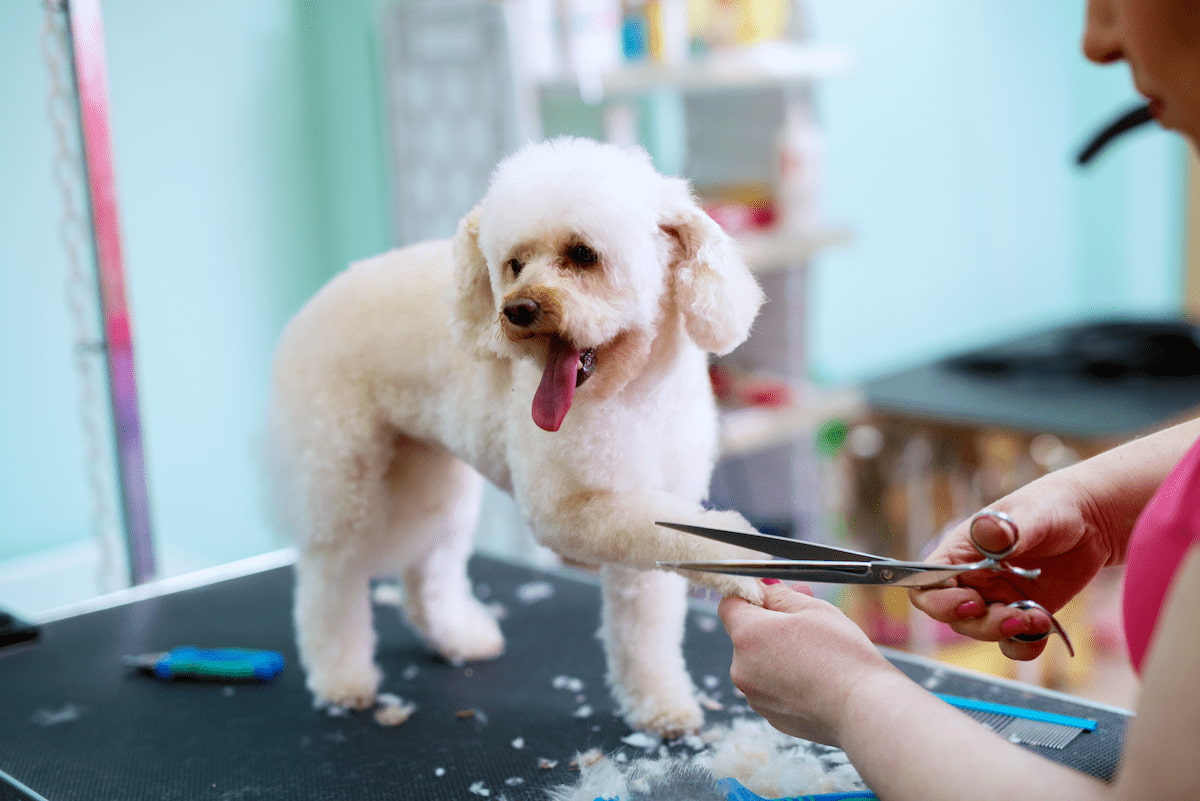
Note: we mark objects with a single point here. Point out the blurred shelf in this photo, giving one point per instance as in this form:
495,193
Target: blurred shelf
775,251
746,431
769,66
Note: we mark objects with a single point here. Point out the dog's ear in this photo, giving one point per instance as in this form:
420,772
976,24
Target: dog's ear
473,307
713,287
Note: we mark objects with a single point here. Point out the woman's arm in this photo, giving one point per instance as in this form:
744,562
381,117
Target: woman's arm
909,745
812,673
892,729
1162,750
1118,483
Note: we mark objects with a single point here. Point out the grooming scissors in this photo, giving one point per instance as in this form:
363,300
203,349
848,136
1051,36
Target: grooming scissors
800,560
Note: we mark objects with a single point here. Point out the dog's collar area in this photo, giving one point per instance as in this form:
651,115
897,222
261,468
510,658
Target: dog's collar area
587,365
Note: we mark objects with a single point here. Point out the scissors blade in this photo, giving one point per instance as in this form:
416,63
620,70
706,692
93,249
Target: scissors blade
783,547
886,573
787,570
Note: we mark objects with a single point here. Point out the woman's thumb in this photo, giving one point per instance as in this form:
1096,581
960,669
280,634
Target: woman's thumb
782,597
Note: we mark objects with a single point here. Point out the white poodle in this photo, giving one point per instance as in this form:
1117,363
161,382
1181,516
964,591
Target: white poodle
555,347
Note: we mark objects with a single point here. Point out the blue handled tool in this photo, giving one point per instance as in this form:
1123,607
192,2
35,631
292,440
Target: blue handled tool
736,791
214,664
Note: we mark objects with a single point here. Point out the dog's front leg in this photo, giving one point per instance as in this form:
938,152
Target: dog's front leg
618,528
642,629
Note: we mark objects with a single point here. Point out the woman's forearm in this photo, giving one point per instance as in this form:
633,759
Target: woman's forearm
963,758
1119,482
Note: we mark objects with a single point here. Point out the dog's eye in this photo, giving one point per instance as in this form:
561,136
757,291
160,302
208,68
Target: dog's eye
516,266
582,254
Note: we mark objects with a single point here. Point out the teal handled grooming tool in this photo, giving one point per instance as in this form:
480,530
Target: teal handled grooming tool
212,664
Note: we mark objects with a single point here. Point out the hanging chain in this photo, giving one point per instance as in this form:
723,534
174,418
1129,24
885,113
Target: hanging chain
82,293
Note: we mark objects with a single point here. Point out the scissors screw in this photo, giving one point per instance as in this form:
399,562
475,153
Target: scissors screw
887,575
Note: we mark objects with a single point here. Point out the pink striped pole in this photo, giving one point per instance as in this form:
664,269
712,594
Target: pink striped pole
86,35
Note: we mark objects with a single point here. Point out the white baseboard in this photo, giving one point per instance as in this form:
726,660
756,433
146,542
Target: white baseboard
34,584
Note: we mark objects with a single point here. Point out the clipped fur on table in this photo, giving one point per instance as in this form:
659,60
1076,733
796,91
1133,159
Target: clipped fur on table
765,761
556,347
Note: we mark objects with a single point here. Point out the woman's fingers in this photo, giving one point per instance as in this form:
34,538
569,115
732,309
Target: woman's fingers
1023,651
948,604
966,612
962,608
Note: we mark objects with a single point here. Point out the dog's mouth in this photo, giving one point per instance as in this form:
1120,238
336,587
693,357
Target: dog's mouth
567,367
587,365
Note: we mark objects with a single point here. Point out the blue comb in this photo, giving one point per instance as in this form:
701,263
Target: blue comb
1028,726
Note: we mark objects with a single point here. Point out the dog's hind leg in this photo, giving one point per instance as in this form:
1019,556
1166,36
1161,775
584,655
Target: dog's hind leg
642,629
334,630
341,510
436,503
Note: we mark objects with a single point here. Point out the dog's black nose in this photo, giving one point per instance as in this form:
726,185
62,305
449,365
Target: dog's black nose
522,312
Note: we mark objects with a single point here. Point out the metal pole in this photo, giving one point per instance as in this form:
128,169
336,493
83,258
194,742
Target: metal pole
85,35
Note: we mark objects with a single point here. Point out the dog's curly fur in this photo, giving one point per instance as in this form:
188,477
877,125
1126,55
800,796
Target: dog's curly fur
411,377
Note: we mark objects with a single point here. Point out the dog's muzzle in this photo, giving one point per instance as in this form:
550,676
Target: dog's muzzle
527,313
522,312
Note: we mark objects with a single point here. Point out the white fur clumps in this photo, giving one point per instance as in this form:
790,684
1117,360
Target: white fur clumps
557,347
392,710
764,760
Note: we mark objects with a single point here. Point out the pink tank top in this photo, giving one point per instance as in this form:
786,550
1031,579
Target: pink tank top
1166,529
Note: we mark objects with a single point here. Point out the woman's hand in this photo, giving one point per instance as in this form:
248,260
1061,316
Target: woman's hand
1071,523
1060,532
797,659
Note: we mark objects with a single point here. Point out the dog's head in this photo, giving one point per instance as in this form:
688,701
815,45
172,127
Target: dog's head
577,256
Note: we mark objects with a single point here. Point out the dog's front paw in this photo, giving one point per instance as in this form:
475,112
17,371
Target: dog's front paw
344,688
744,587
667,718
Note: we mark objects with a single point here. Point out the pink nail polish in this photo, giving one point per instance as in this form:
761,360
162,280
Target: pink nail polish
969,609
1012,627
770,581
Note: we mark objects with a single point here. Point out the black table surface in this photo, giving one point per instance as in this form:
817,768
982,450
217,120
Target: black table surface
1094,379
75,725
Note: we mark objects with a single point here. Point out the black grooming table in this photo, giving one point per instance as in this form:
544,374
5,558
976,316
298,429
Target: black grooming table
77,726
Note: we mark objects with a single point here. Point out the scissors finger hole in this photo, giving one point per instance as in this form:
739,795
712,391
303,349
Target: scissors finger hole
1004,523
1055,626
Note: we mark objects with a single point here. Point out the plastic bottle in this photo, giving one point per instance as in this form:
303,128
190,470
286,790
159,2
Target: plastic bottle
799,165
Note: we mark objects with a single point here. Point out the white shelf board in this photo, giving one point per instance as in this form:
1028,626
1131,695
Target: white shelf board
775,251
746,431
767,66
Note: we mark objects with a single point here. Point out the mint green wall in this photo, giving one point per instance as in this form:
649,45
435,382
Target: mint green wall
248,172
341,52
949,153
251,165
42,495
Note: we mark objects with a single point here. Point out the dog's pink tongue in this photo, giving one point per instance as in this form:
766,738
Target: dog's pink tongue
554,394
